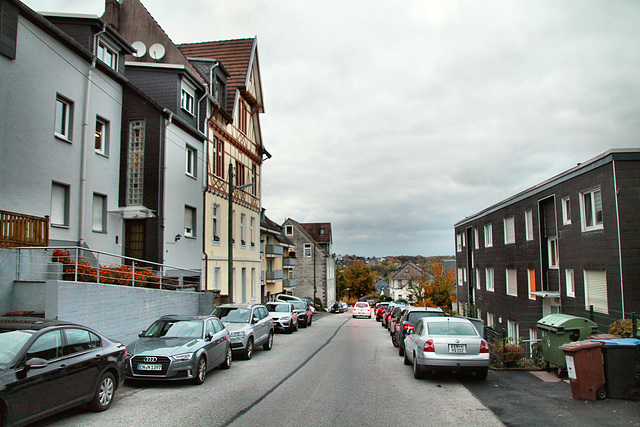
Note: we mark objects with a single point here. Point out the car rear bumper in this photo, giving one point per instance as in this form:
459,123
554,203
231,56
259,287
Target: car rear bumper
430,361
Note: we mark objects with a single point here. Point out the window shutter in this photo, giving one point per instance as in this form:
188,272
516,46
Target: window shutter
58,204
98,210
596,289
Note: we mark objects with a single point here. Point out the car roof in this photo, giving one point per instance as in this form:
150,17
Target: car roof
448,319
434,309
183,317
33,323
243,305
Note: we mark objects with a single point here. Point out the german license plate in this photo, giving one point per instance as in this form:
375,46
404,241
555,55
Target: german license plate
457,348
142,367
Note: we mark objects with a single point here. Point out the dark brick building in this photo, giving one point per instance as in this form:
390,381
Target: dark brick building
570,244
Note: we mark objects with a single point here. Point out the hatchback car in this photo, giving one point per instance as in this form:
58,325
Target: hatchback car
249,326
284,317
446,344
408,321
179,348
361,309
47,366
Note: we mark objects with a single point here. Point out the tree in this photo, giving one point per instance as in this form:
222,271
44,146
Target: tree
359,279
436,289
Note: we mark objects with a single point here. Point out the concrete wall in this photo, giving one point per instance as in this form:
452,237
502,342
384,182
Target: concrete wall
7,276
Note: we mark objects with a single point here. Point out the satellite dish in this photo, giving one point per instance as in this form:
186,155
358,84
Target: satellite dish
140,48
156,51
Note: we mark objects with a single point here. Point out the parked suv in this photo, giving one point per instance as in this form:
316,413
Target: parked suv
284,317
409,319
249,325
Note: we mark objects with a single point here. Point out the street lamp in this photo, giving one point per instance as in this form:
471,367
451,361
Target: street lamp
230,231
343,291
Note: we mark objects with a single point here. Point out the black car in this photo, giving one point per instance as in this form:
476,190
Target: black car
305,315
408,321
47,366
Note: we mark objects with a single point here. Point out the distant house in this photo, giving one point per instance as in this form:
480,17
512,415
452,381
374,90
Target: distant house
570,244
278,259
383,287
315,269
401,280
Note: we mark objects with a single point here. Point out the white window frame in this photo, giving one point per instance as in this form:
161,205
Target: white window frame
307,250
513,330
63,125
478,286
591,211
489,279
190,221
511,275
188,98
566,210
476,238
243,241
490,320
99,213
215,224
595,290
552,251
509,230
107,54
216,277
459,242
460,277
528,224
59,215
488,235
252,224
570,282
288,230
102,136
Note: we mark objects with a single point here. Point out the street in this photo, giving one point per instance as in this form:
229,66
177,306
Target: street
339,371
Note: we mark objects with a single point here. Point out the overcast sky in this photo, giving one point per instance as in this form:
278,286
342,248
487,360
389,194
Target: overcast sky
393,120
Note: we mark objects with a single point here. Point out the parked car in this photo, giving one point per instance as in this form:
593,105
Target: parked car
48,366
386,312
179,348
249,326
361,309
344,307
305,316
393,316
285,297
408,321
449,343
285,318
380,309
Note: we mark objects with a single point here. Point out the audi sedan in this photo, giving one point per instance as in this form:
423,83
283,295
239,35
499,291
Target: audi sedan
446,344
48,366
179,348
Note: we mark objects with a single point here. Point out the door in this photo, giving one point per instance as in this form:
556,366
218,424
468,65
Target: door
83,357
215,348
134,239
549,244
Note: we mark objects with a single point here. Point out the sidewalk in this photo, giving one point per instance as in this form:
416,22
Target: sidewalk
540,398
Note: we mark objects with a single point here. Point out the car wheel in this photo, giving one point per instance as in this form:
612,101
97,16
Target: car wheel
201,371
601,393
291,328
400,350
394,341
406,360
269,344
105,390
418,373
310,321
295,326
303,324
227,361
248,352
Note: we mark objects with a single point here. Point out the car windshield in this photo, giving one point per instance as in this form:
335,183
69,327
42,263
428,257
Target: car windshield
413,317
362,304
233,314
175,329
278,308
299,305
11,342
451,328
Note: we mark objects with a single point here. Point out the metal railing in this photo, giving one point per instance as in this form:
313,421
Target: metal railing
23,230
87,265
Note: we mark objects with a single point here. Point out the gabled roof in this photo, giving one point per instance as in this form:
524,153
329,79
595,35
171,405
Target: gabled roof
302,229
408,271
320,231
237,56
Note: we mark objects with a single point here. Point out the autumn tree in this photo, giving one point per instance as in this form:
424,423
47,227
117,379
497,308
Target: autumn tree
359,279
435,289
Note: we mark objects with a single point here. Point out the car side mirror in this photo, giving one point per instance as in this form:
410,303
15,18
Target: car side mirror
409,331
36,363
254,320
209,336
141,334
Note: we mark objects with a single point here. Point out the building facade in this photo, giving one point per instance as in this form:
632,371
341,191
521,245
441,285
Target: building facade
570,244
400,281
278,260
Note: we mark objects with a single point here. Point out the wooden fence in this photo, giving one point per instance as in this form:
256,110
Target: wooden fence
23,230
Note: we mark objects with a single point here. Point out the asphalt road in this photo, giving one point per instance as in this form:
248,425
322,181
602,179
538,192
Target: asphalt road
339,371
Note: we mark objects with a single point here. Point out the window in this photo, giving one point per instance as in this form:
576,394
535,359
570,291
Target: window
570,283
80,340
215,223
509,230
253,283
48,346
490,320
533,338
219,91
459,242
488,279
135,167
512,282
595,290
566,211
243,112
64,118
99,223
218,157
513,330
107,55
189,222
552,245
531,277
59,205
460,281
252,225
254,179
488,236
476,238
102,136
191,161
591,210
528,224
307,250
216,278
288,230
187,99
242,229
478,278
240,174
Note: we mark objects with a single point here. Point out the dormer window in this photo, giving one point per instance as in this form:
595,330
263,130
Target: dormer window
219,91
107,54
187,99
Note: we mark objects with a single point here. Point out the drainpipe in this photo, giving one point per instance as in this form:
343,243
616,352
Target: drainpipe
205,179
162,191
615,191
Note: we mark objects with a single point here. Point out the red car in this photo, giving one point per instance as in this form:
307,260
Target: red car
380,310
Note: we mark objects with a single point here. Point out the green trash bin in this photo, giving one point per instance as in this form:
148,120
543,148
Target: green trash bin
558,329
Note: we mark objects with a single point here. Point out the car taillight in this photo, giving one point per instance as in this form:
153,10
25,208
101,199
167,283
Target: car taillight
406,326
428,346
484,347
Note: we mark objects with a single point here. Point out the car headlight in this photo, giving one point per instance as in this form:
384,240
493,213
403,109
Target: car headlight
285,318
185,356
237,334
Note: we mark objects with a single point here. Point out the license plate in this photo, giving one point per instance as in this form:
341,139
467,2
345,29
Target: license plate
457,348
142,367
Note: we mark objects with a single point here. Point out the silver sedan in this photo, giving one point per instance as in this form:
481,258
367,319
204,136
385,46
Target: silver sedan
446,344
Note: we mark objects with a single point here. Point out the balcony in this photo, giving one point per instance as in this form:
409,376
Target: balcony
289,283
273,251
274,276
23,230
289,262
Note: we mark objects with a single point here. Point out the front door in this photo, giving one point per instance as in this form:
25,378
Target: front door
134,239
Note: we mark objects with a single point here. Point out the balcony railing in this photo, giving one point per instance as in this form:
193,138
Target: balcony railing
274,251
289,283
289,262
23,230
274,276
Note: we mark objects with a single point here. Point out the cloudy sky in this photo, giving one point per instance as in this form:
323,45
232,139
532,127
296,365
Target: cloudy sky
394,120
